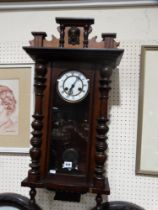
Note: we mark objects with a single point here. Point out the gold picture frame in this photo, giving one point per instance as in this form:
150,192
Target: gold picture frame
147,133
15,107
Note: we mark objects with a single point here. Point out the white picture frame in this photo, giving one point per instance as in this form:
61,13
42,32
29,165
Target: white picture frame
147,134
16,92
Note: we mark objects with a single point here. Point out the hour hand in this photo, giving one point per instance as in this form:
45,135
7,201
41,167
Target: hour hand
70,92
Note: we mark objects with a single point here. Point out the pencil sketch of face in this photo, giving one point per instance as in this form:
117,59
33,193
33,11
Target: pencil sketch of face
7,109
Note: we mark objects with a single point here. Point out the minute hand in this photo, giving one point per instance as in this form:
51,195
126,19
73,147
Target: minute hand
72,86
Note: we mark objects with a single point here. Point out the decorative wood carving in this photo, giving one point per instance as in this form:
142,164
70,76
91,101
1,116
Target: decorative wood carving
39,38
74,34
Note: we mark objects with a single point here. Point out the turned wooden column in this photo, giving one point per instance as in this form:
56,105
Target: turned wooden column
62,35
32,194
87,31
101,132
85,41
37,124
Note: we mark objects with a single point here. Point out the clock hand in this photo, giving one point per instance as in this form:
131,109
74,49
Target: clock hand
72,86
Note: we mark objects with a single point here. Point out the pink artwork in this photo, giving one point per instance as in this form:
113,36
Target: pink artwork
9,95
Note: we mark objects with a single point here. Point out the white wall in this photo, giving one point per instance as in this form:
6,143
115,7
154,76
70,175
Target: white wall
134,26
130,24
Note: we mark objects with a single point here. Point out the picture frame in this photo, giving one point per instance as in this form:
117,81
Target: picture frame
147,132
15,107
38,4
122,2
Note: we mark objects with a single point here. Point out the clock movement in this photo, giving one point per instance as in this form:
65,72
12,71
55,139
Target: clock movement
69,137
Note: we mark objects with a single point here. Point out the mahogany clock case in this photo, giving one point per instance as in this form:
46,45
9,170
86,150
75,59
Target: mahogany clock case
70,132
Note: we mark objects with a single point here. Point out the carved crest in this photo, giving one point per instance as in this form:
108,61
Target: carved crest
74,33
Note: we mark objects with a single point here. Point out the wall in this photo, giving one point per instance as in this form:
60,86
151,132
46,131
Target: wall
135,26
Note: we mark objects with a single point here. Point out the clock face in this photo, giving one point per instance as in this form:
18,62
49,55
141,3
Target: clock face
73,86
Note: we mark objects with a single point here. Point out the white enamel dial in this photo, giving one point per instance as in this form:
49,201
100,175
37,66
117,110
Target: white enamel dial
73,86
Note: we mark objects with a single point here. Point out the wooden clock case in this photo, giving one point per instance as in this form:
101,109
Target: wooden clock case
80,127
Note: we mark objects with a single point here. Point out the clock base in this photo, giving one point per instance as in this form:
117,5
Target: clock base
67,196
62,186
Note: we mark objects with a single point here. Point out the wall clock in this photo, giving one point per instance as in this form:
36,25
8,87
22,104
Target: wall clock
72,81
73,86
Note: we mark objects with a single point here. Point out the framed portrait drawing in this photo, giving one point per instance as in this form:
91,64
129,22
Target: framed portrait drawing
147,138
15,105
